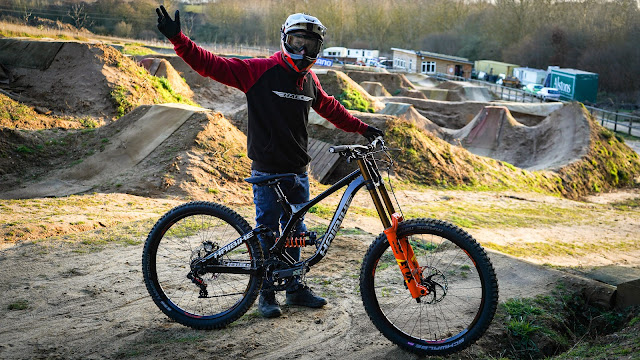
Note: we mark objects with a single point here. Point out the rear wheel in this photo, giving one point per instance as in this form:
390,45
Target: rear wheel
180,239
462,282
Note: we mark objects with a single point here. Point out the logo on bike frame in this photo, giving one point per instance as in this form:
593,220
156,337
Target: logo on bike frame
331,234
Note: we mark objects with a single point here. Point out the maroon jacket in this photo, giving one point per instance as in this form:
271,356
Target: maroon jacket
278,99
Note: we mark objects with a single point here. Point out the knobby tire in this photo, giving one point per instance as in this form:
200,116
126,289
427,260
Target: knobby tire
181,236
450,318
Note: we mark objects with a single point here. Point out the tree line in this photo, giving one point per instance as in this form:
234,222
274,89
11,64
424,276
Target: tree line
592,35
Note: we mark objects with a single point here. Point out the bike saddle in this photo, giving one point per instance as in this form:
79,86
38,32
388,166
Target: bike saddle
266,180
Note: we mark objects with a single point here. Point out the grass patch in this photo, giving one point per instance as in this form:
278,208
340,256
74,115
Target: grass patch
136,49
323,211
353,100
120,96
629,204
510,214
548,325
560,248
166,92
19,305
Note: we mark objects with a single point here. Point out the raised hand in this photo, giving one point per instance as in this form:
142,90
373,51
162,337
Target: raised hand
168,27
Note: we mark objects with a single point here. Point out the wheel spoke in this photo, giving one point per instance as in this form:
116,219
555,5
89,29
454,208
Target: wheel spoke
176,278
456,284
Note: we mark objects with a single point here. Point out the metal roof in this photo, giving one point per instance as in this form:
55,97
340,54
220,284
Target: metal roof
435,55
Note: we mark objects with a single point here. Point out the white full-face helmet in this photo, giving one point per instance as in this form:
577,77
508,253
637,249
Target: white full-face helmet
302,36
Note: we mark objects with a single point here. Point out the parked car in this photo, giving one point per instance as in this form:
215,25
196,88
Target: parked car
532,88
547,93
509,81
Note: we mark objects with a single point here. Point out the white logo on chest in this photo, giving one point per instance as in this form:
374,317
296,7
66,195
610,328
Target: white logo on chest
292,96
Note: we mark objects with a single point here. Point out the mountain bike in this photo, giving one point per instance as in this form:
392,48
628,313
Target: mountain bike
426,284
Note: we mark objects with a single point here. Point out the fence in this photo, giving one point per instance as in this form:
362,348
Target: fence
503,92
614,120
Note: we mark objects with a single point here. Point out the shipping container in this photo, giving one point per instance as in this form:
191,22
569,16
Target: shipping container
575,84
495,67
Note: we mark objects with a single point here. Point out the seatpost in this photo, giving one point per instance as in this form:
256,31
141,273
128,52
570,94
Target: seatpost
364,169
282,199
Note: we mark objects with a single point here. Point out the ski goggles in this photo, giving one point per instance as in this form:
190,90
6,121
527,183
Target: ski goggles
298,42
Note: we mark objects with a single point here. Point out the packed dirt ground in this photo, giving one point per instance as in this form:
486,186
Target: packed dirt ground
79,294
73,220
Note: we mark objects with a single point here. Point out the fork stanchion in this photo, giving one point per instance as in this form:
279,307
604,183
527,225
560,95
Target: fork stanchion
405,258
374,194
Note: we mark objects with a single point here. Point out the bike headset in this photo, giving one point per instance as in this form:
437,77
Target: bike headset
301,32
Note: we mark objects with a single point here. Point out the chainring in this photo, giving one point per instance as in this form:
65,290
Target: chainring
271,283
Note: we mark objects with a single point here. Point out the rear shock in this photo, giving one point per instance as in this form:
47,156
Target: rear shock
301,240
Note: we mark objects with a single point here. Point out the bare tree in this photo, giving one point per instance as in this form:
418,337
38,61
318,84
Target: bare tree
26,15
78,15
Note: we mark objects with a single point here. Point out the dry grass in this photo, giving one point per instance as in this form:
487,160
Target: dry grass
17,30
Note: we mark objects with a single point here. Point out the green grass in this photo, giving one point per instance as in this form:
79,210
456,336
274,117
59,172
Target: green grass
18,305
353,100
629,204
323,211
166,92
120,96
127,234
549,325
136,49
559,247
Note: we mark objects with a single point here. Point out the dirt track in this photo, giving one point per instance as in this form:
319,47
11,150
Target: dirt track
88,301
74,288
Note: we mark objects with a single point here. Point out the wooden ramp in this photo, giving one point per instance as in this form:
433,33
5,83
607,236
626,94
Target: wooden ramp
322,161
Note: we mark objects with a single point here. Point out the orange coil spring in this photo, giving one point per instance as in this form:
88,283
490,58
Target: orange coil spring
295,242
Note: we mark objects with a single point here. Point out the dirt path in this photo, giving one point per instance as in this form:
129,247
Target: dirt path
88,300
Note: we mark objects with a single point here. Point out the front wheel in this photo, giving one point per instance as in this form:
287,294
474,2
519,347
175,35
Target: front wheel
463,288
182,238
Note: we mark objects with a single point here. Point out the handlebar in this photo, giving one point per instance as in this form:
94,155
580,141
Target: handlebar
355,151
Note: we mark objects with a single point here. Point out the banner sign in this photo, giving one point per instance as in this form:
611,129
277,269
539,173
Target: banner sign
324,62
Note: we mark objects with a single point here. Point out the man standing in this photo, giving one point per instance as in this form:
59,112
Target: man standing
280,92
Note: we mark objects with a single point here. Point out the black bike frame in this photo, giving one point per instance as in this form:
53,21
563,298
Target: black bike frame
365,175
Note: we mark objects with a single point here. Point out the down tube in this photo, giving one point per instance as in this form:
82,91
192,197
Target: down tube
338,216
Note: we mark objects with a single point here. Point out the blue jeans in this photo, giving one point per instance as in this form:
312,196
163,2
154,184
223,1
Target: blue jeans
270,213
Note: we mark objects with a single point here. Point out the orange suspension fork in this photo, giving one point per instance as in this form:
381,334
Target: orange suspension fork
401,248
405,258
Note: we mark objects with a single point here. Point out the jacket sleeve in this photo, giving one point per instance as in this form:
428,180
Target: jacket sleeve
241,74
331,109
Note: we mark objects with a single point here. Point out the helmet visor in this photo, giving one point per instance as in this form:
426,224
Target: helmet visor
298,42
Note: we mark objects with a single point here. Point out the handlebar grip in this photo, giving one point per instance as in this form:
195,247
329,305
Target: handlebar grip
338,148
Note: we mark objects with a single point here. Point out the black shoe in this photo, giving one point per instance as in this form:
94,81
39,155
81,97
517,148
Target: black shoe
268,306
303,296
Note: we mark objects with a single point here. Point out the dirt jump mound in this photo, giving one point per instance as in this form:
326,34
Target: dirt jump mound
347,91
163,68
374,88
79,79
392,82
170,149
408,113
559,140
206,91
463,91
